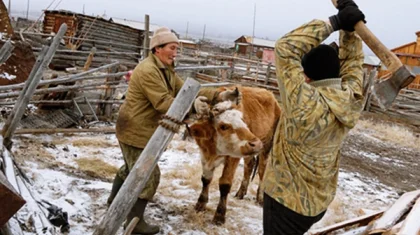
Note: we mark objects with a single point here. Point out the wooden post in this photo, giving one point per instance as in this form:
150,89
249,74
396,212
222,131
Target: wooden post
367,94
146,41
6,51
109,93
20,107
267,74
89,59
141,171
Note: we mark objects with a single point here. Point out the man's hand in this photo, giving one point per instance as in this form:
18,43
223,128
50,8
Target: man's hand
341,4
348,16
200,105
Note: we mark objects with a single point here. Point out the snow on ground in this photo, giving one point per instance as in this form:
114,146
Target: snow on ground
60,181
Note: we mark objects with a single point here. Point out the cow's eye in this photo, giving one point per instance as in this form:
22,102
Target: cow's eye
224,127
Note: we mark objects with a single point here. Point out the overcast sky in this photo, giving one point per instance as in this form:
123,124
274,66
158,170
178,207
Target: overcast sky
393,21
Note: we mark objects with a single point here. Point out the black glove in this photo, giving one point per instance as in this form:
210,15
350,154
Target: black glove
347,18
341,4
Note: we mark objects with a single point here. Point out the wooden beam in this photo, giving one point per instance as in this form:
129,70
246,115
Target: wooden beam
394,213
65,79
362,220
141,171
105,130
411,225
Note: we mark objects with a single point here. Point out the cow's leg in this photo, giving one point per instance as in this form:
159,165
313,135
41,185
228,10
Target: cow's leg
206,179
225,183
262,162
249,164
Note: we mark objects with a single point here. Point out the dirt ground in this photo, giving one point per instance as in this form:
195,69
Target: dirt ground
386,161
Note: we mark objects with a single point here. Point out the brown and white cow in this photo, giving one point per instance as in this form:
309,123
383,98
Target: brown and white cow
235,129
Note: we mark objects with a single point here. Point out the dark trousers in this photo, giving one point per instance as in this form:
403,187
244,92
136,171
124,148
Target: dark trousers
279,220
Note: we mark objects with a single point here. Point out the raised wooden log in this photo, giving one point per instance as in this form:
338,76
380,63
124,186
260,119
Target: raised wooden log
141,171
22,103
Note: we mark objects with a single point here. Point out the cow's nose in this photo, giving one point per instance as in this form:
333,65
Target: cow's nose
255,144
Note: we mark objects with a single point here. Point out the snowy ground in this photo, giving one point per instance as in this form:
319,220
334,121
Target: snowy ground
53,164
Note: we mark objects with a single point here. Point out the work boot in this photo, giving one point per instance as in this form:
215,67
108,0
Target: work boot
118,182
142,227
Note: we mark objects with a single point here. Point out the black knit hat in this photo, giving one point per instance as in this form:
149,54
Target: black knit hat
321,62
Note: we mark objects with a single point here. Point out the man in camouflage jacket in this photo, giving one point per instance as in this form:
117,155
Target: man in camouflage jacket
321,101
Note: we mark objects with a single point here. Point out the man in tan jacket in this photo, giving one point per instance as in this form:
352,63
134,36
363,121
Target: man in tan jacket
151,91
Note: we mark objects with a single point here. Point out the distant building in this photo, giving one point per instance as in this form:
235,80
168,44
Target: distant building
262,48
184,43
409,54
135,24
371,62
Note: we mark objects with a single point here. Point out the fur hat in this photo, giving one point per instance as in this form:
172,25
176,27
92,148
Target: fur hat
162,36
321,62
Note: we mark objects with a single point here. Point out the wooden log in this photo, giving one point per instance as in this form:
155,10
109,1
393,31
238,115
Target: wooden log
6,51
89,59
66,79
362,221
108,95
411,225
57,89
20,107
107,42
10,200
141,171
66,102
146,39
201,68
106,130
17,109
394,213
103,53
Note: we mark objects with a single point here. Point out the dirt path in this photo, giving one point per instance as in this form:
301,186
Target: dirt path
389,163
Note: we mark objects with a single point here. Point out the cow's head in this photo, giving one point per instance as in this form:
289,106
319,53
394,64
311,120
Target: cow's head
226,128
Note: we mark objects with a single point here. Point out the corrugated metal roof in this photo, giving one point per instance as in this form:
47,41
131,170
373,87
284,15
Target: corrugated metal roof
260,42
415,70
187,41
135,24
372,60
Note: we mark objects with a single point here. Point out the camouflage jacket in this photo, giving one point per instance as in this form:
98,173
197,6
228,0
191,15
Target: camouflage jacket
151,91
302,169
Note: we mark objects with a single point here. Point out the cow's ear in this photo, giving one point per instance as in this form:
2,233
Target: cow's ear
238,96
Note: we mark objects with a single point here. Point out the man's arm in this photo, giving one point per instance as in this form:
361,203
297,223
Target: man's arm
289,52
351,57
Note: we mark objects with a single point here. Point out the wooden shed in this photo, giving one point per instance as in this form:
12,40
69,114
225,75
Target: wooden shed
122,42
409,55
245,45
